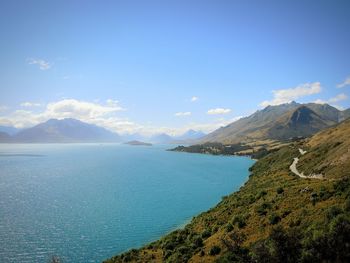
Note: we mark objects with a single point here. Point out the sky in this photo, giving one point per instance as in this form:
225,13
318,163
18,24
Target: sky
169,66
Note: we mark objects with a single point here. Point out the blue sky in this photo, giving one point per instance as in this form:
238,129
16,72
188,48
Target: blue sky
167,66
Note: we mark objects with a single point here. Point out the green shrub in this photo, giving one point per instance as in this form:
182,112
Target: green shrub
262,209
262,193
229,227
183,249
198,242
333,211
313,198
347,205
215,250
286,213
206,233
280,190
285,246
274,219
239,220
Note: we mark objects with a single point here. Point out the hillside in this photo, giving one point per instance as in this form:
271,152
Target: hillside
189,137
4,137
279,122
162,138
346,114
301,122
9,130
276,216
66,130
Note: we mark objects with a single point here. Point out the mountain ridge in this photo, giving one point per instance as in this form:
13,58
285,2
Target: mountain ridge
73,130
64,131
261,124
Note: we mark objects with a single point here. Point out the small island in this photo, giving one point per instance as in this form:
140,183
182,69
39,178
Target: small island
138,143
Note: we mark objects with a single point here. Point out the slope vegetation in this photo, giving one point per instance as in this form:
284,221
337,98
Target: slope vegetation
276,216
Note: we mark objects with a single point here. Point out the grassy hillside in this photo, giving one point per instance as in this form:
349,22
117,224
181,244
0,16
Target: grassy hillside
276,216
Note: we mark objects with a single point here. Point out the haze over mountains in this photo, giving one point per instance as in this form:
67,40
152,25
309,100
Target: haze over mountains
65,131
72,131
9,130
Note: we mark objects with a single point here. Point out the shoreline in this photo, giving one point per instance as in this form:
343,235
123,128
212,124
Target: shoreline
188,221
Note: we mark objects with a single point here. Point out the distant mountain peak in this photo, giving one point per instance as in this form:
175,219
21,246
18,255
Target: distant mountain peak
66,130
302,114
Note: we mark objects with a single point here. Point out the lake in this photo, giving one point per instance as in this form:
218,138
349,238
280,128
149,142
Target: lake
88,202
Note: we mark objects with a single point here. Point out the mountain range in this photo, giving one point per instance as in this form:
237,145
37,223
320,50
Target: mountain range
273,123
65,131
72,131
281,122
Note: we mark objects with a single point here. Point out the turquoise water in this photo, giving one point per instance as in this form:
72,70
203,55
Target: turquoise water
88,202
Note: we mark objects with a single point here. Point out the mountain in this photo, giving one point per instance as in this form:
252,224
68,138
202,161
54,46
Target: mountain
276,216
346,114
9,130
190,135
162,138
66,130
4,137
326,111
299,122
279,122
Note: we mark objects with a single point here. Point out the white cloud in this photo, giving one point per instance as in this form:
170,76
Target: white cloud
218,111
180,114
102,114
194,98
345,83
71,108
43,65
30,104
331,101
208,127
337,98
111,102
67,108
287,95
319,101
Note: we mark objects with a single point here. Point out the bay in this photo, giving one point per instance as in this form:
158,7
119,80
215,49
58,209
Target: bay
88,202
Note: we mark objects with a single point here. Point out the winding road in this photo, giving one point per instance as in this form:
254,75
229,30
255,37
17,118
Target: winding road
293,168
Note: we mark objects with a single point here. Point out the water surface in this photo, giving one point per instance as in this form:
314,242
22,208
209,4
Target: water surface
87,202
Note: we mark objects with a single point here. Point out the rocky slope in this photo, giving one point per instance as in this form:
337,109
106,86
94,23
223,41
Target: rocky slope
279,122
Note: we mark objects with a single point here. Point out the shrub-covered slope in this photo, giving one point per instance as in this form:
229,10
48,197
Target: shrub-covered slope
276,216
